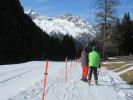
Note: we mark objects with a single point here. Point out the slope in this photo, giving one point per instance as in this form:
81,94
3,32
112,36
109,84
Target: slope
25,83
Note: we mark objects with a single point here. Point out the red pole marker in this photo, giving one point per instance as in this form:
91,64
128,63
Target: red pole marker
76,62
46,68
66,70
71,67
44,80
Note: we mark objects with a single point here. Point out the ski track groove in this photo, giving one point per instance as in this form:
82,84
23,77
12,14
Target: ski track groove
49,89
11,71
26,95
18,75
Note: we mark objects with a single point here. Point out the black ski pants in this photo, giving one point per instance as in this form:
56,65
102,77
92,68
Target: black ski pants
93,70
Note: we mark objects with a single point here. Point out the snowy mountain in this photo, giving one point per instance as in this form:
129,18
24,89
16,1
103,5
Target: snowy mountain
66,24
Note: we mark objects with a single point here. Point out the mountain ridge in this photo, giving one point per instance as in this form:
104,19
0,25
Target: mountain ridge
64,24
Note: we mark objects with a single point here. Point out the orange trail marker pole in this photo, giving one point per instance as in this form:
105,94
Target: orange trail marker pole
76,62
66,70
44,80
71,67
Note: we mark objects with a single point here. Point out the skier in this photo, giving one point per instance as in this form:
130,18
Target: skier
94,63
84,64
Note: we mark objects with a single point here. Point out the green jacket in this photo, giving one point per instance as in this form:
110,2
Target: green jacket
93,59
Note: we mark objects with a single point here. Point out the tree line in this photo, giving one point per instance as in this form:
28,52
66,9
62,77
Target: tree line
21,40
114,35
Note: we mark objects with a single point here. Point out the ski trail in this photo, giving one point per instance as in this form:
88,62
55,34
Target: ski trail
110,86
18,75
34,92
15,70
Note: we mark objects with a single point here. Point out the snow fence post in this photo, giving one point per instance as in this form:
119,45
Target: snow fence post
44,80
75,63
71,67
66,71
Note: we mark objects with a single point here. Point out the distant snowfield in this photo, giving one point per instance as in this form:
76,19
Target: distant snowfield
24,82
65,24
61,26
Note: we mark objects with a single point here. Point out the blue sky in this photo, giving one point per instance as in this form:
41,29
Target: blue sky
83,8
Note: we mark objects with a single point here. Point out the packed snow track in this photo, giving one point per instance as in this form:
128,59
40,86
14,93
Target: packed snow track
24,82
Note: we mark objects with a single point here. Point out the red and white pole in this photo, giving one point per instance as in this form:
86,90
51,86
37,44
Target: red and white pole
44,80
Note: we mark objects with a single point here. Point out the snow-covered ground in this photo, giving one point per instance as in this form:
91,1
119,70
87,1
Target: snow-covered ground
126,70
113,62
24,82
123,66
